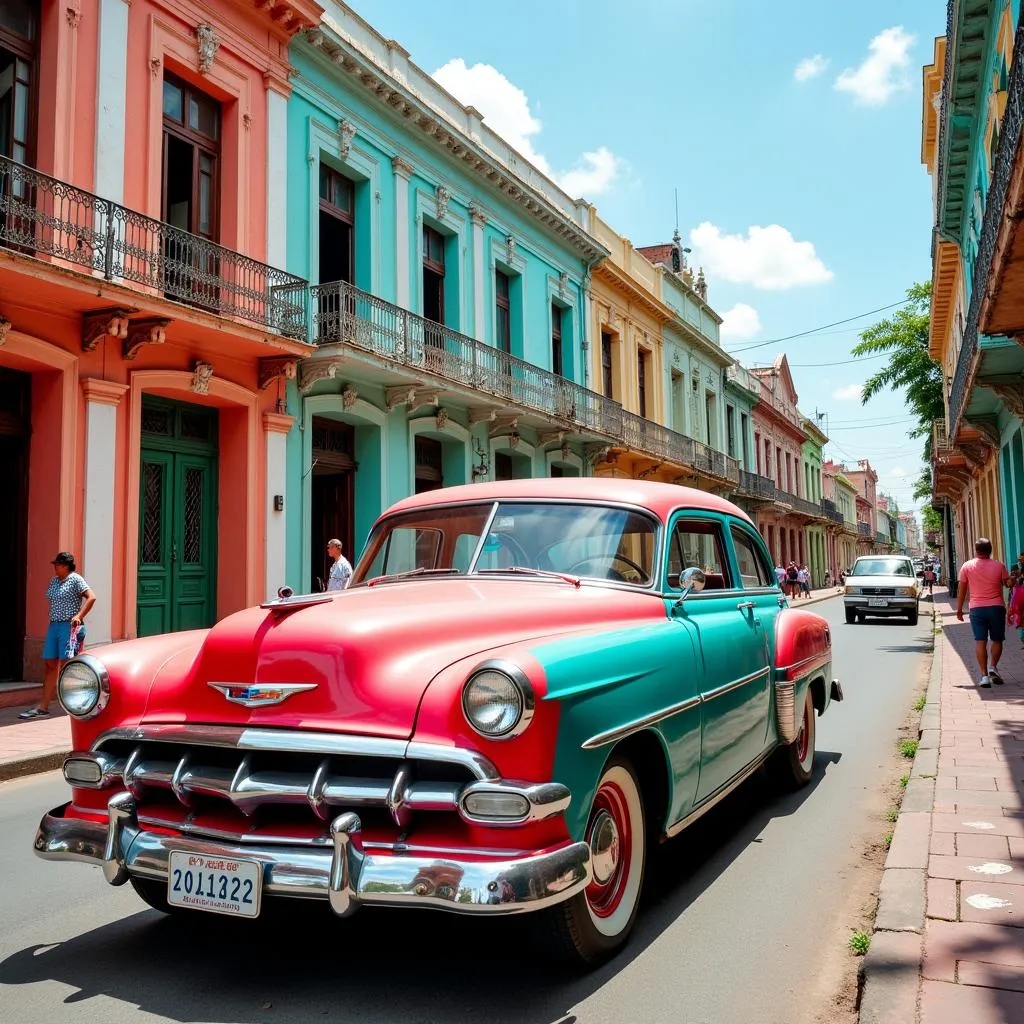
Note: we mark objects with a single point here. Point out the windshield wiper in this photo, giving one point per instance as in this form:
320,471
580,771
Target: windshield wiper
522,570
412,572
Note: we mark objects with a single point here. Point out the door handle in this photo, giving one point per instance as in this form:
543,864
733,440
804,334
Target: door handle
174,552
744,605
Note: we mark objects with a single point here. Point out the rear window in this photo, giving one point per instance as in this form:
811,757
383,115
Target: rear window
883,567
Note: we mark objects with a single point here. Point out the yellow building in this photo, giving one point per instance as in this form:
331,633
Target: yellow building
628,362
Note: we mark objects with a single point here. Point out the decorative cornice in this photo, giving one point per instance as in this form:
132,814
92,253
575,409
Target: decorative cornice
276,368
441,132
143,332
202,374
442,197
103,392
111,323
346,133
277,422
207,45
1011,395
477,215
613,275
402,167
314,371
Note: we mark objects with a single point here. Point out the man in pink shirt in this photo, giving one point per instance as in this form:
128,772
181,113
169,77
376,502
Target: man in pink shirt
984,578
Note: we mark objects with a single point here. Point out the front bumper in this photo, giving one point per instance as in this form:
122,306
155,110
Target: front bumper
894,605
340,871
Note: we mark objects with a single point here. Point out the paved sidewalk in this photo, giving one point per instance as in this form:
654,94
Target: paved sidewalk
949,938
33,746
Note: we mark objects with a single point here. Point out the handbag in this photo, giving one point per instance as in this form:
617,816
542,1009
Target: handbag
73,645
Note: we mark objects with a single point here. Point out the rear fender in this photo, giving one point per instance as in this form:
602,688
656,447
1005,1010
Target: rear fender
803,656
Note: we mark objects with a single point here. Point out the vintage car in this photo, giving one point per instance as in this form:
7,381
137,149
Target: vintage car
526,685
883,585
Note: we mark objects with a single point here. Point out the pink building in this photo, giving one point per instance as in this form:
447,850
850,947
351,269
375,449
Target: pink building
144,339
865,480
778,448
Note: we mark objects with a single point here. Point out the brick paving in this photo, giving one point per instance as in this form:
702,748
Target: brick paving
973,949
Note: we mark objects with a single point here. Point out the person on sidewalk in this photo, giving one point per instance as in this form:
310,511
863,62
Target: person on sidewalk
70,601
983,578
804,579
341,568
1015,603
929,580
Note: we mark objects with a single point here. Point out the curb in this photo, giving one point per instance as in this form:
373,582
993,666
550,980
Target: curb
891,971
32,764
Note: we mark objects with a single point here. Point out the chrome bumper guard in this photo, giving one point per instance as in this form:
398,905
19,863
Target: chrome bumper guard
342,872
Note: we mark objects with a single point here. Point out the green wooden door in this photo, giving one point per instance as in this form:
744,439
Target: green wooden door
177,519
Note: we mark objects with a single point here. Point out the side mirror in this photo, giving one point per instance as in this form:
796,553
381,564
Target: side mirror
691,581
285,592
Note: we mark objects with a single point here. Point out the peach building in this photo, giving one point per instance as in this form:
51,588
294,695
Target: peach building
145,335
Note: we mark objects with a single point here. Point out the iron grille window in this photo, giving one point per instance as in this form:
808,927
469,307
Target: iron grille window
556,339
641,378
606,364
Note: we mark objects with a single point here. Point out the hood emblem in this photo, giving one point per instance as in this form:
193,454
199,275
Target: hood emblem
258,695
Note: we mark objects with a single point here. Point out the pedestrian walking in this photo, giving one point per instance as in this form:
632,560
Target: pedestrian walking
780,576
983,578
929,580
70,600
341,568
792,580
803,578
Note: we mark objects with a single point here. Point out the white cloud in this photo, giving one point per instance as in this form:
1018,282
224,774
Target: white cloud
506,110
769,258
810,67
848,392
898,472
740,323
883,72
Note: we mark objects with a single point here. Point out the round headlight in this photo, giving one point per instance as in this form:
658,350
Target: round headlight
83,687
497,700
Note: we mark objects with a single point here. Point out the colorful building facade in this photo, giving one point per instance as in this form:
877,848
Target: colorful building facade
842,493
812,462
145,325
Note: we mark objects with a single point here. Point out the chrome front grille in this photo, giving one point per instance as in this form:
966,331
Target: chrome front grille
264,770
879,591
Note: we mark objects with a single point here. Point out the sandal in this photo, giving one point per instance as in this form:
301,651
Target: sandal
34,713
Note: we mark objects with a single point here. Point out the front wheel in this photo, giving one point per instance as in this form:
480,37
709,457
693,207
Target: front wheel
851,616
912,617
154,893
792,764
595,923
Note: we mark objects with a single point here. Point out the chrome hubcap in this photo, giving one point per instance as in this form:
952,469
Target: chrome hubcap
604,847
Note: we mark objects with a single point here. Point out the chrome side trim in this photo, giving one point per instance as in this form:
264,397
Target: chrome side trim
720,691
345,872
614,735
545,799
303,742
787,715
701,809
296,601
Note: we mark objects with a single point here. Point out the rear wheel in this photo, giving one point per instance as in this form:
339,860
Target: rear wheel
595,923
153,892
912,617
793,763
851,616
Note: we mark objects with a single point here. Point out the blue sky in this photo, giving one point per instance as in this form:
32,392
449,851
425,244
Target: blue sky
703,96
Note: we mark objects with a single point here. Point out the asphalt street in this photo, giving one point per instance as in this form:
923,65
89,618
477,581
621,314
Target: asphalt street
739,912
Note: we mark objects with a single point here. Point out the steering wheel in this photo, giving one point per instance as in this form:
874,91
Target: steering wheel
621,577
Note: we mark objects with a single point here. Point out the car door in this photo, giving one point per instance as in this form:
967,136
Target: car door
731,647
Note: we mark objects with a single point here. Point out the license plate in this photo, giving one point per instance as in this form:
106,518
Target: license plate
220,885
877,602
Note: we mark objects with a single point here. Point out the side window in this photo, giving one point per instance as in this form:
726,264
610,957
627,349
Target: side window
753,570
699,544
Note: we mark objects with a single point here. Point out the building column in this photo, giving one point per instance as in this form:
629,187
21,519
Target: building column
403,174
479,317
111,85
277,175
102,398
275,426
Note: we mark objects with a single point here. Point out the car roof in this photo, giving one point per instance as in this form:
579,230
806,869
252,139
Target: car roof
662,499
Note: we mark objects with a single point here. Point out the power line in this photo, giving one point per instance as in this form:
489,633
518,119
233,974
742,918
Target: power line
824,327
840,362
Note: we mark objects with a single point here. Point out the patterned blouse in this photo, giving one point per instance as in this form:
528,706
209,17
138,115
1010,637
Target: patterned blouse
65,596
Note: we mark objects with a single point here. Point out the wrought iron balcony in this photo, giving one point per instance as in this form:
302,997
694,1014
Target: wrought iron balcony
643,435
882,539
828,507
756,486
345,314
864,530
802,505
43,216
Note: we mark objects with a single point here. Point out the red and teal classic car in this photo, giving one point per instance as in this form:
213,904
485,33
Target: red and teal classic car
526,685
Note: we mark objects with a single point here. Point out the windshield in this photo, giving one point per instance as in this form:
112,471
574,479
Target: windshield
883,567
595,541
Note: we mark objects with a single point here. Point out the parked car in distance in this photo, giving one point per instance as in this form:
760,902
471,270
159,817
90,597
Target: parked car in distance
527,685
883,585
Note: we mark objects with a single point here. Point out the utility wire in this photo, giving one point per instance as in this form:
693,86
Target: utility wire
824,327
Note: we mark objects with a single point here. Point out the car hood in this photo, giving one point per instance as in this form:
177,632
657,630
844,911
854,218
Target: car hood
371,652
881,581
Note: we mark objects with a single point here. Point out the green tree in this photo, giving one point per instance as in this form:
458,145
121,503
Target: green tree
903,337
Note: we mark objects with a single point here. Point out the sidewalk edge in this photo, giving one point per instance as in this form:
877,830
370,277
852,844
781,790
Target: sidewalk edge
32,764
891,971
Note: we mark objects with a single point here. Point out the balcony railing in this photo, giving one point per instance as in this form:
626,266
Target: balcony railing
756,485
828,507
344,313
882,539
43,216
643,435
802,505
864,530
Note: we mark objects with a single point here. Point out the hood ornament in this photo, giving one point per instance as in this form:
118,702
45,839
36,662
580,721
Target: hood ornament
258,695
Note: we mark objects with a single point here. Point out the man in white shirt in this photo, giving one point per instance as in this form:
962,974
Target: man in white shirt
341,570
